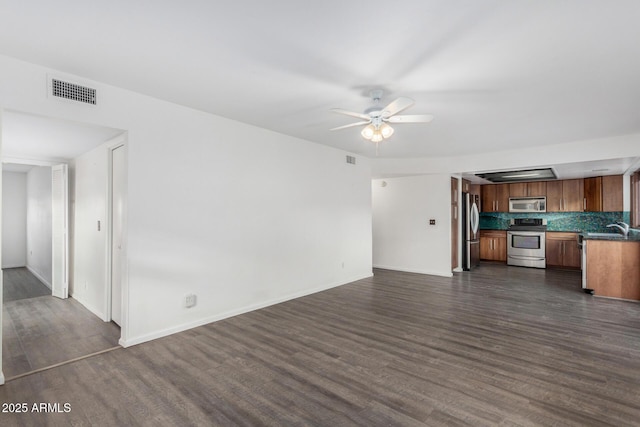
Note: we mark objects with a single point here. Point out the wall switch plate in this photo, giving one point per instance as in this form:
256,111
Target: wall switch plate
190,300
432,222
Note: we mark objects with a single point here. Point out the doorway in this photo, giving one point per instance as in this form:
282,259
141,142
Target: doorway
40,330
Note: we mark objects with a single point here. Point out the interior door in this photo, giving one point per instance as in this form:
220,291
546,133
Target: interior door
117,211
60,228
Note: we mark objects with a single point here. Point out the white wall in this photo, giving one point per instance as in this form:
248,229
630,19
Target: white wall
14,219
39,223
241,216
402,237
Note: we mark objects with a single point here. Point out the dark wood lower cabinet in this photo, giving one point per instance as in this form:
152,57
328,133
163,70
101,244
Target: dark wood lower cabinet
493,245
613,269
562,250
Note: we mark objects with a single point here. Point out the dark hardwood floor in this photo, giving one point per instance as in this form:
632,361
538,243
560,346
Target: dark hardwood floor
499,346
40,331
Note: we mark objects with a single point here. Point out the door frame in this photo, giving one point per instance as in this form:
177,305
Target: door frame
119,141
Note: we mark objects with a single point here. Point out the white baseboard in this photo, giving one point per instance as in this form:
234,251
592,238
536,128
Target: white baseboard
4,267
89,307
231,313
39,276
413,270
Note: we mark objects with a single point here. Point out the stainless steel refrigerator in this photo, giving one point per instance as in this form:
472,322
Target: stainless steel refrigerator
470,231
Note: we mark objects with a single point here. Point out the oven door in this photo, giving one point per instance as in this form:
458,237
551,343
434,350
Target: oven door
526,244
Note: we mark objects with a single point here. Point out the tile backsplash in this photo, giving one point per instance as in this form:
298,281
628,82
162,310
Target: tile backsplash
594,222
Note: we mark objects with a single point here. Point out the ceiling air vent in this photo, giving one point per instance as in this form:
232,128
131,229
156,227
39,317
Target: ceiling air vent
73,92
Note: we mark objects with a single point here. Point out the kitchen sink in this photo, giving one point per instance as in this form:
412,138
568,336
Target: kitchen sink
608,235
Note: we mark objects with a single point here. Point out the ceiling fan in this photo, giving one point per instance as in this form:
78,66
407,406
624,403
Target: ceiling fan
377,118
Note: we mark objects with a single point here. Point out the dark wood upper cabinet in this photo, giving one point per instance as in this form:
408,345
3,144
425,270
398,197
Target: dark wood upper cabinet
597,194
466,186
612,193
565,196
554,196
593,194
528,189
495,198
518,189
573,195
537,189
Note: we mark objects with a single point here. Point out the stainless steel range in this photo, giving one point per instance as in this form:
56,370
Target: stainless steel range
526,242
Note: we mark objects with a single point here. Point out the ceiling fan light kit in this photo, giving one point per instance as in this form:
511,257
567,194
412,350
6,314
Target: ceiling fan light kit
377,119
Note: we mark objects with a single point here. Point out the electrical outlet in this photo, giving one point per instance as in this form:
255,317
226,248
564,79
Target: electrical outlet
190,300
432,222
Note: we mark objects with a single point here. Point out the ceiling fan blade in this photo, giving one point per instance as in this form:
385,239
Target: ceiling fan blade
397,106
352,125
410,118
351,113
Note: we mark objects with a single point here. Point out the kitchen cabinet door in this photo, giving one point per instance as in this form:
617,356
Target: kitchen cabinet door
518,189
593,194
502,198
537,189
495,198
562,250
612,193
500,248
572,254
554,252
554,196
488,198
493,245
486,248
528,189
466,186
572,195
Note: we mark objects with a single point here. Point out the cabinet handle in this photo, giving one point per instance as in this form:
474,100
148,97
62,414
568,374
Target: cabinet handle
584,204
561,204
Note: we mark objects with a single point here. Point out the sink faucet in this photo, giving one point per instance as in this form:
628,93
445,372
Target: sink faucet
623,227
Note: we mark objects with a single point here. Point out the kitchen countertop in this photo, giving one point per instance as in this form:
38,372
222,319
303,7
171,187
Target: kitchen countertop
633,236
615,237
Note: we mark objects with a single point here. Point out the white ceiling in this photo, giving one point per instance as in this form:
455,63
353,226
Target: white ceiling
19,168
32,139
496,74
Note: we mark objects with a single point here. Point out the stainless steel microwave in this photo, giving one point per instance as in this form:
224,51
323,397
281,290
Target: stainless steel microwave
527,204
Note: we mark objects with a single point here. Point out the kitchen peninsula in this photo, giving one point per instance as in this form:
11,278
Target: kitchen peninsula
611,266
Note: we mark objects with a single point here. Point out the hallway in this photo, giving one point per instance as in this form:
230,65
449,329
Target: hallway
40,330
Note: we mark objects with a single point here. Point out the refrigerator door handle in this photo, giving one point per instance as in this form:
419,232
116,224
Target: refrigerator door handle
474,218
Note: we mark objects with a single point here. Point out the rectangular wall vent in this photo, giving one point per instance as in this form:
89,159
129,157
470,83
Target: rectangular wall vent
351,160
73,92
